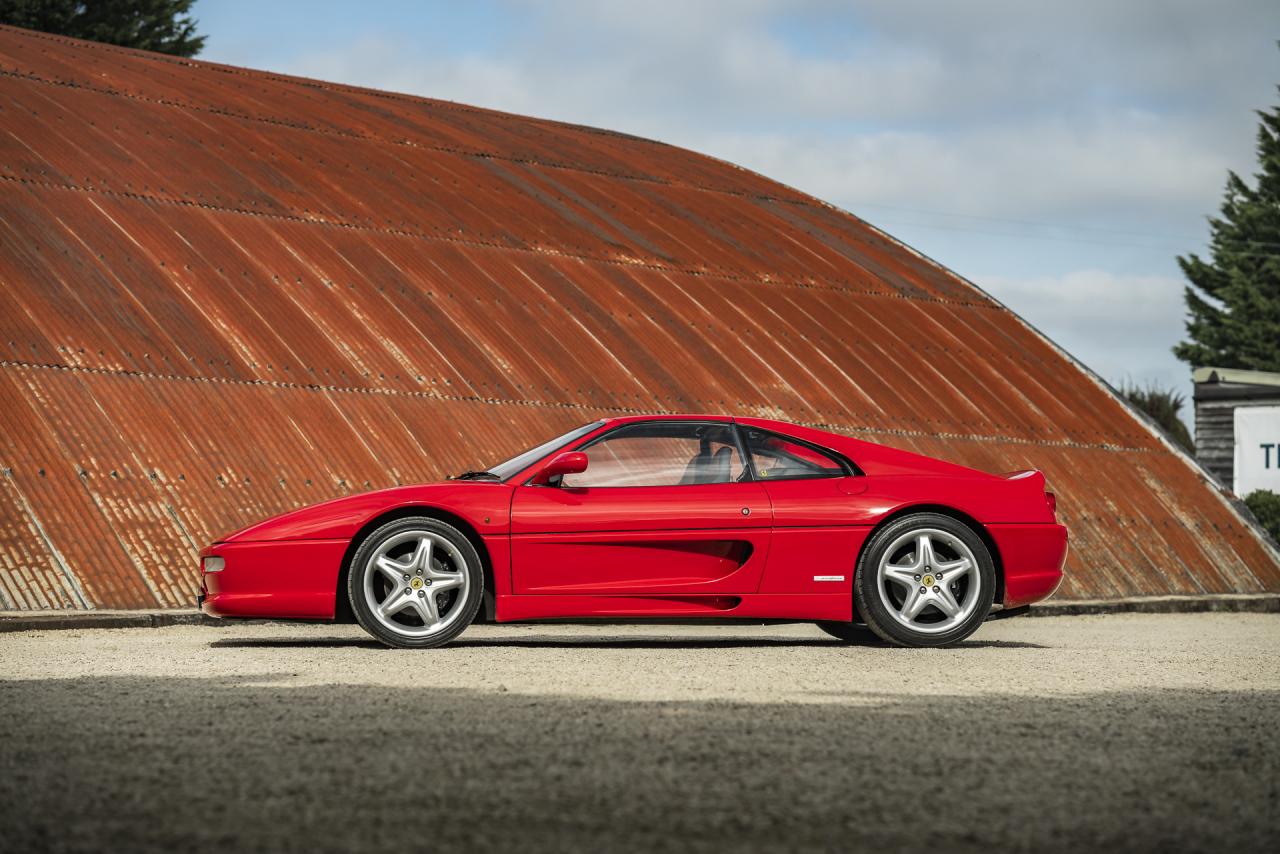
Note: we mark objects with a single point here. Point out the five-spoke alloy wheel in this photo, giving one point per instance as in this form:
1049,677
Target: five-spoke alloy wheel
415,582
924,580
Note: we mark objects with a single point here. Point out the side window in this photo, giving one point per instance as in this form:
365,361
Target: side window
661,453
775,457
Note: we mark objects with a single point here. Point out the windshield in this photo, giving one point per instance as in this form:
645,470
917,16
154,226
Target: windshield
514,465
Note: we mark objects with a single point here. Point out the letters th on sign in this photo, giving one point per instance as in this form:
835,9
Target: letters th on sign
1257,449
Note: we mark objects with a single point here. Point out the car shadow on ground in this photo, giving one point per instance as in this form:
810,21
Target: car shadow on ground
140,763
705,643
575,642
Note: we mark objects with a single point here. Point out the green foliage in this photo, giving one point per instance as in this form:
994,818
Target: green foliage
1233,305
1163,407
160,25
1265,507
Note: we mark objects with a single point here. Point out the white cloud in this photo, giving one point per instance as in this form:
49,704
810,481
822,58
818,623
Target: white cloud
1129,164
1116,121
1121,326
1013,109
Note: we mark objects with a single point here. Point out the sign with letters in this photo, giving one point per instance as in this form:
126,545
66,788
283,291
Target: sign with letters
1257,449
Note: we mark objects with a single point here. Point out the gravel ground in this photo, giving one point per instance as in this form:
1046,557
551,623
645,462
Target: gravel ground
1120,732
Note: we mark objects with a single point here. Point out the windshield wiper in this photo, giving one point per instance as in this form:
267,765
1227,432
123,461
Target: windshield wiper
477,475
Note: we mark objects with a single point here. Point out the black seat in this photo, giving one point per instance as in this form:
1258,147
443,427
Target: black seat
693,473
721,463
706,467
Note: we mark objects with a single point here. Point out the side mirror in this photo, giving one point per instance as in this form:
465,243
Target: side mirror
572,462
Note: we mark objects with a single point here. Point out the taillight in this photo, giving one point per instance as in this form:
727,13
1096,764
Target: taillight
1053,503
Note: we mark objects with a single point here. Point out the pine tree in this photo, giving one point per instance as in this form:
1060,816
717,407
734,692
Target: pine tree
160,25
1234,303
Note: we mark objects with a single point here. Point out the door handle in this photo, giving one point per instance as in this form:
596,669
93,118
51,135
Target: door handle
853,485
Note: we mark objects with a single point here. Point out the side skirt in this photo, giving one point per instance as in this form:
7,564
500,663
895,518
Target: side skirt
786,607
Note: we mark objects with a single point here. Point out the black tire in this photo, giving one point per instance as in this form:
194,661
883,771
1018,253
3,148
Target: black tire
870,603
468,603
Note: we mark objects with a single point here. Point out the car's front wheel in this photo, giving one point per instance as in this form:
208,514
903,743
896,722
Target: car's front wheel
415,583
925,580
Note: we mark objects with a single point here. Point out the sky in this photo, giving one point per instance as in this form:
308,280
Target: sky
1060,155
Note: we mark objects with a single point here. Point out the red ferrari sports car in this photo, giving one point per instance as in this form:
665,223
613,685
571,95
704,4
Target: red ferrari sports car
683,517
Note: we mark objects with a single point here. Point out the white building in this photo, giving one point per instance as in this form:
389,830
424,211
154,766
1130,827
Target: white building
1238,427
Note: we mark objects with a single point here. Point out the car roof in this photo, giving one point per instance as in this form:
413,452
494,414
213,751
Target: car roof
765,423
786,427
680,416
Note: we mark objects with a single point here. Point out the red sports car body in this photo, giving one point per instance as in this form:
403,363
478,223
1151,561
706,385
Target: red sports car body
662,517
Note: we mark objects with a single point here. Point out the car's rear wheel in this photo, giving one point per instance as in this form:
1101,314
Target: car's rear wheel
415,583
925,580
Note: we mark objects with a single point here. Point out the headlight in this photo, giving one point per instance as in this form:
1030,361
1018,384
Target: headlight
214,564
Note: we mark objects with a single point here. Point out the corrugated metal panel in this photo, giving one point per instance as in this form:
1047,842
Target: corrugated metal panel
229,293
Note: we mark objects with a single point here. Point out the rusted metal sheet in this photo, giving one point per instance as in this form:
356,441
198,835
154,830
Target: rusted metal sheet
227,293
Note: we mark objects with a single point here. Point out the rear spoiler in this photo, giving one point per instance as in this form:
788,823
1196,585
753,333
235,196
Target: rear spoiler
1035,480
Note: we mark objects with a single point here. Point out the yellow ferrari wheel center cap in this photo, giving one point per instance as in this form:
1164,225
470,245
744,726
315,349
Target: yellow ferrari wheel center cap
416,584
928,581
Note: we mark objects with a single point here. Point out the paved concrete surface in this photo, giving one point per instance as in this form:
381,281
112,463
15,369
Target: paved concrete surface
1135,732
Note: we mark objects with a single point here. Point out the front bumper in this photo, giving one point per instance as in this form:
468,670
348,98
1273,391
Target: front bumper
287,579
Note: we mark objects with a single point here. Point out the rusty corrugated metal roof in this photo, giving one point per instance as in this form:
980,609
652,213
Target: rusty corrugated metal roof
227,293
